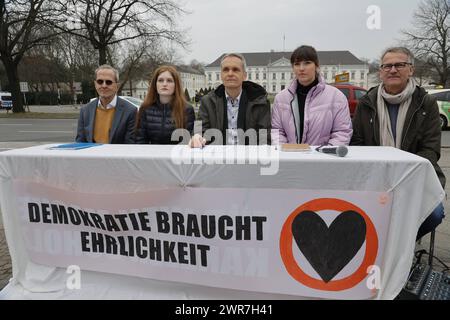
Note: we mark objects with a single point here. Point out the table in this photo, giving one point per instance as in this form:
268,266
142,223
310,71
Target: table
406,182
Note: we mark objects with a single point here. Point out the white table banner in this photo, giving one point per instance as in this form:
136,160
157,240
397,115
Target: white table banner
309,243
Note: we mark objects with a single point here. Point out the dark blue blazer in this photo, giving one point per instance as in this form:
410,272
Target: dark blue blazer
123,125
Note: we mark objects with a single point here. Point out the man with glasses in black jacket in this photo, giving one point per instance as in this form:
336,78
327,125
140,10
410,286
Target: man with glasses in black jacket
399,113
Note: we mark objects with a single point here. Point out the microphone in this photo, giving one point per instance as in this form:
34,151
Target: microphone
340,151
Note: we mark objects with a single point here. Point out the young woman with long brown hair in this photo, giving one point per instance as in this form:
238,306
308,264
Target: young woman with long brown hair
164,109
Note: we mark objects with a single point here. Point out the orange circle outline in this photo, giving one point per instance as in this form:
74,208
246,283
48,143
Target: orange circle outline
336,285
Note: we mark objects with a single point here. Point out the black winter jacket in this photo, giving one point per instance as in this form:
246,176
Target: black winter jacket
156,124
254,111
421,133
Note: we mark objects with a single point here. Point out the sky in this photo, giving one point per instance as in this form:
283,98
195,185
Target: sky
218,26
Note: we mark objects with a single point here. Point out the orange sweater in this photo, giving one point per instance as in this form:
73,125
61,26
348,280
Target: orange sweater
103,124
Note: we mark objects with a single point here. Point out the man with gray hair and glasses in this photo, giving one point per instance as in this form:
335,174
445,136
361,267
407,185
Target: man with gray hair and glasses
108,119
238,110
401,114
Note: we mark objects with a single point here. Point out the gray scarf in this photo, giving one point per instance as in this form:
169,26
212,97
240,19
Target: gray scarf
404,99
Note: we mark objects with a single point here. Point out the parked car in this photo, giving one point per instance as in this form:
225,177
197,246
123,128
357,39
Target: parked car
134,101
353,94
5,100
443,98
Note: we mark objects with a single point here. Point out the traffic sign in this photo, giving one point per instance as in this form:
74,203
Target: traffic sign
343,77
24,87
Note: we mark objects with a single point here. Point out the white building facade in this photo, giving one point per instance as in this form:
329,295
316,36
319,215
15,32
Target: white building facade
191,79
273,70
135,88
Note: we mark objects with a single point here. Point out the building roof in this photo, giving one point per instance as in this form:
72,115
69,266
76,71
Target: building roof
187,69
265,58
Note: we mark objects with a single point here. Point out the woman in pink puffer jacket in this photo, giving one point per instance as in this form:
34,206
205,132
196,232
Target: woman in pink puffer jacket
309,110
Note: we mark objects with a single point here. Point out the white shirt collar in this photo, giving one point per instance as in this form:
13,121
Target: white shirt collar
110,105
237,100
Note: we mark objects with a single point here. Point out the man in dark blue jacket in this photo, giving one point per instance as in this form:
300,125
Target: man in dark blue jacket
108,119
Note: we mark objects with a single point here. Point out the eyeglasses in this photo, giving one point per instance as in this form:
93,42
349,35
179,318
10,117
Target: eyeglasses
398,66
108,82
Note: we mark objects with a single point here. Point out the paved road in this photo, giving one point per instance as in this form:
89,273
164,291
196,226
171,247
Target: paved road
64,130
37,130
445,140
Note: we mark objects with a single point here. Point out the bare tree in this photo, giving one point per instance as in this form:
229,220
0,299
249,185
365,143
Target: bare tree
42,70
430,37
141,58
79,59
423,72
374,64
134,53
23,25
105,23
3,78
199,66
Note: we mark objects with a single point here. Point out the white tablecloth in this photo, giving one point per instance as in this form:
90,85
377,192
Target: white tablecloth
138,168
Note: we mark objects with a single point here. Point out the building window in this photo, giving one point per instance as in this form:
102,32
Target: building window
274,88
325,76
283,86
209,76
257,76
282,77
274,76
264,76
250,76
353,75
362,75
217,77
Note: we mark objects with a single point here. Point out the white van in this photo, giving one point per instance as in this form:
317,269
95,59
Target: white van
5,100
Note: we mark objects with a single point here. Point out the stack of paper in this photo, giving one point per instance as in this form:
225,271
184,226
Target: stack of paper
295,147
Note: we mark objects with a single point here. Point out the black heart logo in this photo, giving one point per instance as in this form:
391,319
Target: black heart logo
329,249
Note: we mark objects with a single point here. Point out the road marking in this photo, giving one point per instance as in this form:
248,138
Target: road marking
45,131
